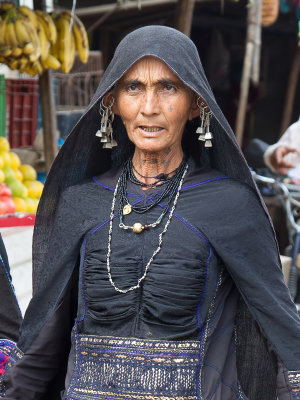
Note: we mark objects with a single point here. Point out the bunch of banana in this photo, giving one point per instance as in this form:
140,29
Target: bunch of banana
71,36
19,43
80,35
31,41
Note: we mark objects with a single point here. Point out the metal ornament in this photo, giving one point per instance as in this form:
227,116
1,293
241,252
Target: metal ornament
160,237
105,133
127,209
204,129
138,227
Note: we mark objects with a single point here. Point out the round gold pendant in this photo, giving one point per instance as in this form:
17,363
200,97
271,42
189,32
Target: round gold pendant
127,209
137,227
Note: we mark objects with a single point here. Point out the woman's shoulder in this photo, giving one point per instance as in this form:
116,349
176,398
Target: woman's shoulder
207,179
90,192
215,191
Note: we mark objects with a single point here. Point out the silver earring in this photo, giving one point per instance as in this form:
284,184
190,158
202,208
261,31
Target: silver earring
204,129
105,133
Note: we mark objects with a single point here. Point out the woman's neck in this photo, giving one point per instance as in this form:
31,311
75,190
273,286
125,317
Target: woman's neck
150,164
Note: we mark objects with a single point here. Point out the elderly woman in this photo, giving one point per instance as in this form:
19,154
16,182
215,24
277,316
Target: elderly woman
156,270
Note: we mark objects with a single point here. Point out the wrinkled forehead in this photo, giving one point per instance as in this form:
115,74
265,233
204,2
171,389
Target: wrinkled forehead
150,69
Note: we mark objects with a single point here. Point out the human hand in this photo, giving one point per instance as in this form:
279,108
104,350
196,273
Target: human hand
277,159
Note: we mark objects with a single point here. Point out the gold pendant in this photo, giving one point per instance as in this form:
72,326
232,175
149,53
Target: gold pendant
127,209
137,227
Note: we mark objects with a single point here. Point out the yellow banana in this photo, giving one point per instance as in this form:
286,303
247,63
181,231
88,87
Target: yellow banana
21,32
28,49
5,50
28,13
11,38
70,61
22,63
13,63
2,32
33,37
24,40
54,49
48,25
30,70
80,34
64,39
51,62
38,67
44,43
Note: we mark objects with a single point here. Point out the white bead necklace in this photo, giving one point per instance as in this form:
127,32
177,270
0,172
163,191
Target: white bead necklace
140,280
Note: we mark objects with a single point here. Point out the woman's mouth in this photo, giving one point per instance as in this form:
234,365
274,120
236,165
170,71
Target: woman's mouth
151,128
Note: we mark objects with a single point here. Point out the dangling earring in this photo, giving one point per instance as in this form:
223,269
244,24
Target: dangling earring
203,130
105,133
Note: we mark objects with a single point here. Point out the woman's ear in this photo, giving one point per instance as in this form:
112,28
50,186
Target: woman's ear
108,99
195,111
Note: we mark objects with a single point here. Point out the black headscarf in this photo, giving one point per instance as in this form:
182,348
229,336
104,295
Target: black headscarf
82,157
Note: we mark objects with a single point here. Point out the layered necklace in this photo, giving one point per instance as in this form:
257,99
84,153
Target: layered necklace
171,184
172,189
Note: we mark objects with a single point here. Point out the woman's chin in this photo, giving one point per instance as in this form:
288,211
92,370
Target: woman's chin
150,145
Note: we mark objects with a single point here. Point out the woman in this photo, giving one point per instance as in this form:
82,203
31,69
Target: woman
10,314
155,253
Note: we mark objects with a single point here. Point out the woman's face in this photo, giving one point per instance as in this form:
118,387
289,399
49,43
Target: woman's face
154,105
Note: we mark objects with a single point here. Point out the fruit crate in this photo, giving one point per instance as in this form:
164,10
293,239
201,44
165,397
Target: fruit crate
21,111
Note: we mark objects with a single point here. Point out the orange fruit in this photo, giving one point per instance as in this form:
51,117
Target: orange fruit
20,204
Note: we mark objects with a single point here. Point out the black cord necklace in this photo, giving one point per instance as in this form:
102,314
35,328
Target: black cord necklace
171,187
160,178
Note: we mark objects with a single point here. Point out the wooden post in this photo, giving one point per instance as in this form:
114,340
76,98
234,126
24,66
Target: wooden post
290,93
252,42
48,109
48,117
244,90
184,16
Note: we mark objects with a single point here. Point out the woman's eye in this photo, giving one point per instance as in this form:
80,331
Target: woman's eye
169,88
132,88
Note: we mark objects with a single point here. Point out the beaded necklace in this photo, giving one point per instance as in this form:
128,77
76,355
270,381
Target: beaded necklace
125,208
160,237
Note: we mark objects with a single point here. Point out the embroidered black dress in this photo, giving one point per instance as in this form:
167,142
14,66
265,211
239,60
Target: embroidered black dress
175,337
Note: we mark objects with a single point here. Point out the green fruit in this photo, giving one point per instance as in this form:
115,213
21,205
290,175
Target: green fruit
17,188
9,173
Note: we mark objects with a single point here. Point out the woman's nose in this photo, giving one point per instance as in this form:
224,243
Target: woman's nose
150,103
